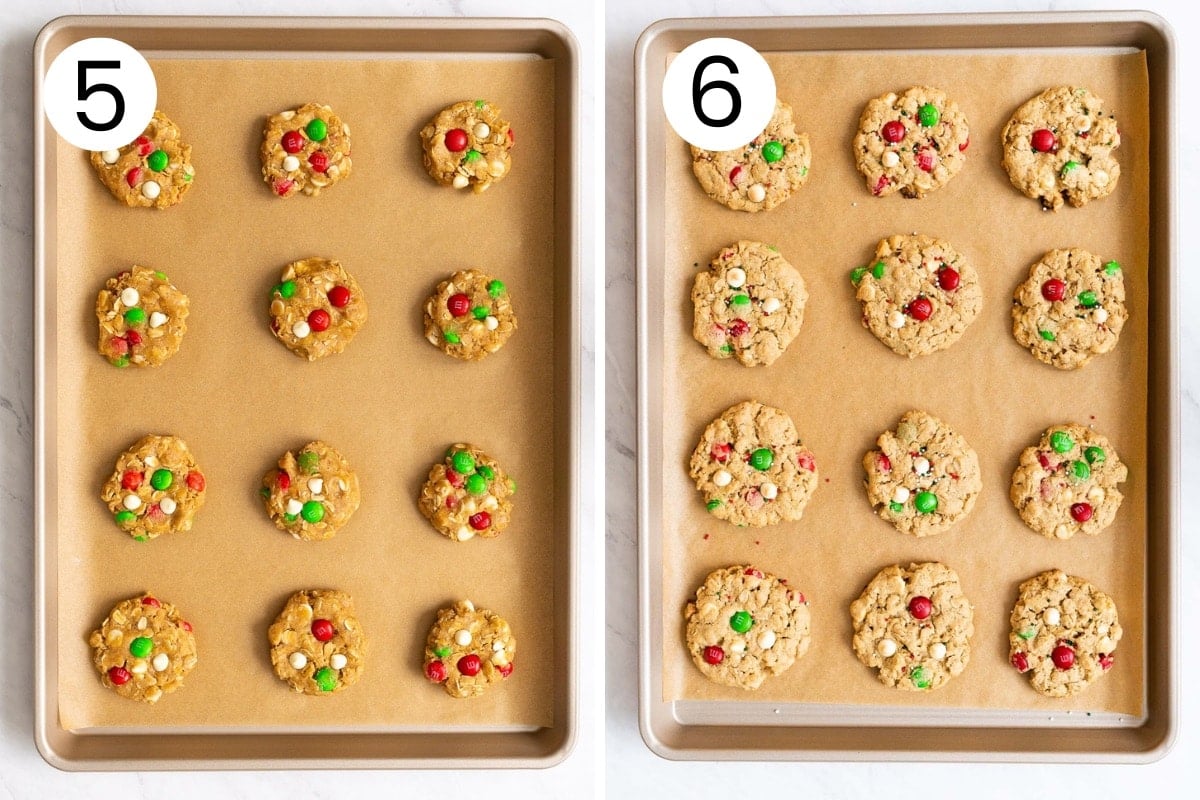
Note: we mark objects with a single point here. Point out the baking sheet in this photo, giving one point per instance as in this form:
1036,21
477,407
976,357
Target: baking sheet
391,402
842,387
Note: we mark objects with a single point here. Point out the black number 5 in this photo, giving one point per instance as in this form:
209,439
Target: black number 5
698,90
86,91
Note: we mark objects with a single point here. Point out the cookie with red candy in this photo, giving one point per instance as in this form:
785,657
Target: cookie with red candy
468,144
912,143
153,171
305,150
468,649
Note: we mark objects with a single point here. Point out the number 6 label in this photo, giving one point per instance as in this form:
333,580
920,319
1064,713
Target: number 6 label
719,94
99,94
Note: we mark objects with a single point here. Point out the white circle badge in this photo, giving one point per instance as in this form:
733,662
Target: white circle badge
99,94
719,94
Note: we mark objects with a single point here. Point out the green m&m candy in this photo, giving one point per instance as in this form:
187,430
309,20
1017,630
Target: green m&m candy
1080,470
1027,633
487,472
477,484
896,508
926,502
1047,335
495,288
1061,441
286,289
291,517
928,115
479,103
856,275
1067,167
762,459
878,270
121,361
135,316
308,461
772,152
441,652
162,276
122,517
313,512
473,155
479,312
1112,268
1094,455
141,647
316,130
157,161
325,677
462,462
919,677
740,300
162,479
1087,299
741,621
712,504
450,337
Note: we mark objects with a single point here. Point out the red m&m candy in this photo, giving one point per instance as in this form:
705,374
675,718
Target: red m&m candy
1043,141
892,131
318,161
920,309
131,480
151,601
1081,512
948,278
293,142
1020,661
505,670
469,665
739,327
920,607
133,176
195,481
459,305
119,676
144,145
1063,657
713,654
456,140
339,296
481,521
435,671
1054,290
926,160
322,629
318,320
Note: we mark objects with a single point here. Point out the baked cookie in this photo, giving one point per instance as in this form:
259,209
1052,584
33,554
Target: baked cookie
155,488
143,649
752,468
913,625
467,494
745,625
467,144
1064,632
316,308
1071,308
1067,482
1059,146
913,142
153,171
749,304
142,316
317,644
760,175
468,649
312,493
469,316
305,150
919,296
923,477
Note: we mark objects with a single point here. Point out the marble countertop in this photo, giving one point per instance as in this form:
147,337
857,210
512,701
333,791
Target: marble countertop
632,767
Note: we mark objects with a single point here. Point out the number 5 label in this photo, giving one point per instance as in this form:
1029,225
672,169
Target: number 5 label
719,94
99,94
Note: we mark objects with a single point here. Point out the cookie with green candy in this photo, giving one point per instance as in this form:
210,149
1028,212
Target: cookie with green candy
467,144
1071,308
467,494
142,317
318,646
469,316
1067,483
914,626
153,171
468,649
304,150
316,308
143,649
922,477
913,142
311,493
156,487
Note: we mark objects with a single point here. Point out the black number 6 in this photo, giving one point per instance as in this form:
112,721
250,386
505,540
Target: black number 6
698,90
86,91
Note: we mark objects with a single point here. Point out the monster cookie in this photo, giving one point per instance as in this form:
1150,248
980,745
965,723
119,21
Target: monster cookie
142,318
312,493
317,644
154,170
156,488
1064,632
305,150
469,316
763,173
468,649
749,304
1071,308
745,625
316,308
752,468
1067,482
912,143
923,477
467,144
919,296
467,494
913,625
1059,146
143,649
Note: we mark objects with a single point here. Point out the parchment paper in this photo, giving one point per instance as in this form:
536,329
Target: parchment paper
842,387
390,403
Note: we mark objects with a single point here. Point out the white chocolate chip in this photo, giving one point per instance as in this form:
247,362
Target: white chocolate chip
491,323
460,182
157,319
1061,531
722,478
769,491
110,156
921,465
316,485
771,305
138,667
896,320
298,660
301,329
1102,628
1048,181
1096,495
497,168
132,502
470,606
499,659
286,115
294,506
1083,124
141,624
1052,616
465,533
900,495
1100,177
1105,645
767,640
337,661
481,130
150,461
462,637
151,189
738,647
341,484
291,164
130,297
890,99
1100,316
886,648
756,193
938,651
890,159
161,662
167,505
497,645
736,277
